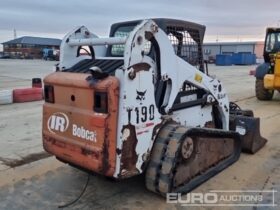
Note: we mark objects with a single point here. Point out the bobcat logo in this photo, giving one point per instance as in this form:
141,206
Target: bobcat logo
140,95
215,87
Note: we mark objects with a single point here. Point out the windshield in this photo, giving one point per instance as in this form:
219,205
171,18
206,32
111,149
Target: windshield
272,42
124,31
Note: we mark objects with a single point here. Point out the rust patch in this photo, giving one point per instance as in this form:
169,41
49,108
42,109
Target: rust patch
105,157
209,124
106,145
129,156
89,152
141,67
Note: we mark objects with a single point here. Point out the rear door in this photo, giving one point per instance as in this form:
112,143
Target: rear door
80,122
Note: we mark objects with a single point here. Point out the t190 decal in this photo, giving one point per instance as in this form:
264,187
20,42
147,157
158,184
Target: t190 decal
142,114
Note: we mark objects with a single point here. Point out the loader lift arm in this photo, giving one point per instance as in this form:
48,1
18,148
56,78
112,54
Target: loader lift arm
174,70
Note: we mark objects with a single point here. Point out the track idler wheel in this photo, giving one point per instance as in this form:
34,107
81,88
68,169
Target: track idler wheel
187,148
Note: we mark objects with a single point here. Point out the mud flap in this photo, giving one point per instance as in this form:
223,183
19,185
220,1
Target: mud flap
249,130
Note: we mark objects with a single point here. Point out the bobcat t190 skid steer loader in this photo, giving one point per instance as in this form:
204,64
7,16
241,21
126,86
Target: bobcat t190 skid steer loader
141,102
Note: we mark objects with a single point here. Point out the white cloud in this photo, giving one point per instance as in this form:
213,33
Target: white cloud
52,17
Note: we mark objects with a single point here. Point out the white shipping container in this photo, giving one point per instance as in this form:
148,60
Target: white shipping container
6,97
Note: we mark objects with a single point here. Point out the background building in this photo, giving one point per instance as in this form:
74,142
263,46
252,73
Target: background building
210,50
29,47
33,47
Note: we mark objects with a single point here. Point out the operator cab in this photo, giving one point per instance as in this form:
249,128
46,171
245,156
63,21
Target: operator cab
272,43
185,37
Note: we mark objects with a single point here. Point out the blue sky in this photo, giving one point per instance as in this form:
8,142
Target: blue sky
227,20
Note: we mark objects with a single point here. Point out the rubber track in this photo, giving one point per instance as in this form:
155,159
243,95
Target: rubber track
157,181
163,162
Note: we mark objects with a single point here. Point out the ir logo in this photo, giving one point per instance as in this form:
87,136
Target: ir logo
58,122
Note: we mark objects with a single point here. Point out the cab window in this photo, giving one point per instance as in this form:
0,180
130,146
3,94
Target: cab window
124,31
273,42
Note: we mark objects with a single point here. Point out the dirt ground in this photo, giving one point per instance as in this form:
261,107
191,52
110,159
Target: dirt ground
45,183
20,122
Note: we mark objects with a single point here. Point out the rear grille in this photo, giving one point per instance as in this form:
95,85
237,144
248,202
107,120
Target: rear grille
106,65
